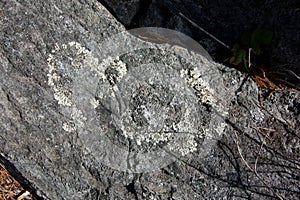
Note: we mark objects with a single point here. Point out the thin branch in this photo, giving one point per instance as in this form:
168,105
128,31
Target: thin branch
255,171
255,165
203,30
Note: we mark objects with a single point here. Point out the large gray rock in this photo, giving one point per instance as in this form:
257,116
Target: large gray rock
89,111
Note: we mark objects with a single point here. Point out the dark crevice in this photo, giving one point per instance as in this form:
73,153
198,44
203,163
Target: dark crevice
143,8
110,10
131,188
140,14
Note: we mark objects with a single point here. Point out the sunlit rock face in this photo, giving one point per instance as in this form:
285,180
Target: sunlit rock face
138,106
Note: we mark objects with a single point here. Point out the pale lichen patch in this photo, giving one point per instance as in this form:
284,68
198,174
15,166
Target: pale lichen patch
68,127
62,62
183,73
184,146
115,70
151,137
220,128
94,102
62,97
78,117
201,87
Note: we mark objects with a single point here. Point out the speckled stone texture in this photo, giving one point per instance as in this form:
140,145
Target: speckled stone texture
67,111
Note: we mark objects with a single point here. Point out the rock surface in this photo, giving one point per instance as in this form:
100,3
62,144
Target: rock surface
89,111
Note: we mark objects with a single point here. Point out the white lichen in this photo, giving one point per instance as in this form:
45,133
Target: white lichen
69,127
183,73
60,94
150,137
76,54
78,117
201,87
94,102
220,128
114,64
184,146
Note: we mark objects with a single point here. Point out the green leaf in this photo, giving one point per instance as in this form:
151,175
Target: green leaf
239,55
256,39
246,38
261,37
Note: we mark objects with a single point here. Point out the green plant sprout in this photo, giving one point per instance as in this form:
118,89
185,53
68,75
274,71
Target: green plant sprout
251,41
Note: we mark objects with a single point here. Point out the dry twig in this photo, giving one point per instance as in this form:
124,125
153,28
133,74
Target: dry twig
203,30
254,170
